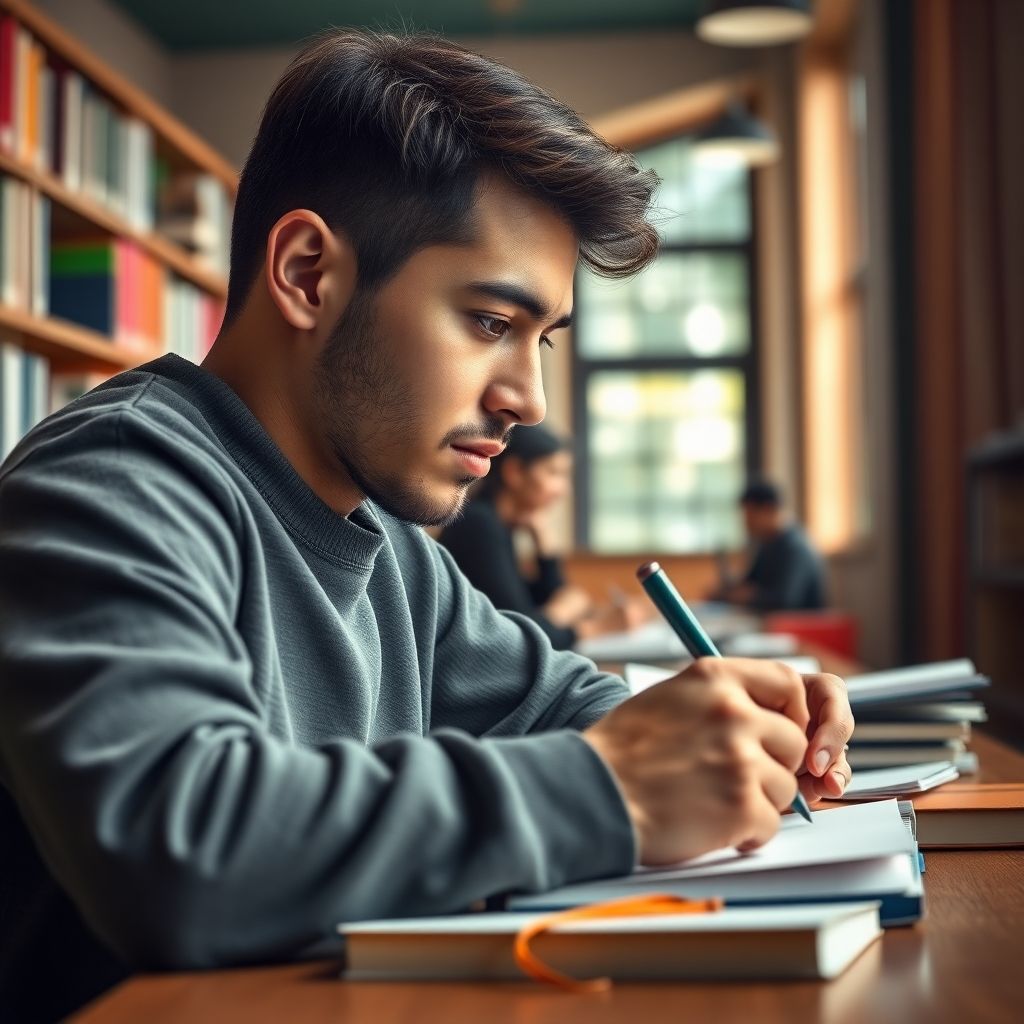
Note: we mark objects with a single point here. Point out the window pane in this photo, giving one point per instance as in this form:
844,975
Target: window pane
666,457
698,202
684,304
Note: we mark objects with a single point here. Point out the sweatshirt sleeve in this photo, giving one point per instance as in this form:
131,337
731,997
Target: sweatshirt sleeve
498,675
187,834
480,545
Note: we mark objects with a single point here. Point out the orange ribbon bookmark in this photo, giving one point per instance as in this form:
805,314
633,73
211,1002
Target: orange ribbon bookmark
630,906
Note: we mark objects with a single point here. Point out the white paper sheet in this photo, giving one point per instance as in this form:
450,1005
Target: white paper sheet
857,832
905,779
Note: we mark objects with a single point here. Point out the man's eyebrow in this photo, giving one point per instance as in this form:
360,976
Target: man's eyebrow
505,291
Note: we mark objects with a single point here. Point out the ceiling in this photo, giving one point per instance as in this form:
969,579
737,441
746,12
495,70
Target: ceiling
202,25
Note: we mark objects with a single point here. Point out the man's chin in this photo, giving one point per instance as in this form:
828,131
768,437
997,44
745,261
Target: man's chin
420,509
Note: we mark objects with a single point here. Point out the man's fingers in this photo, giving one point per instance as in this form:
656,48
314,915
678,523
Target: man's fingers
831,723
778,784
770,684
783,740
831,785
761,825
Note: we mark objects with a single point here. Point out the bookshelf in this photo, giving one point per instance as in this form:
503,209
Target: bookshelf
995,547
88,163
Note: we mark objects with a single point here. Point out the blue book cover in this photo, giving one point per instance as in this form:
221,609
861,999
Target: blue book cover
85,299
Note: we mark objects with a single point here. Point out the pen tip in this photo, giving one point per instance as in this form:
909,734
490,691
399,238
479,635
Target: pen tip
800,806
647,569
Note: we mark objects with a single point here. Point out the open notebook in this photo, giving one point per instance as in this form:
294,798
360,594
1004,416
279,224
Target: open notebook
854,852
816,941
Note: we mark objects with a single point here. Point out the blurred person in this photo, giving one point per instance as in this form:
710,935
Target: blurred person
526,481
243,696
785,572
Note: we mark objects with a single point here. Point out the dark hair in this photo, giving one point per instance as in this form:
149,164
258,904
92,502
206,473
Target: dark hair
762,494
528,445
385,137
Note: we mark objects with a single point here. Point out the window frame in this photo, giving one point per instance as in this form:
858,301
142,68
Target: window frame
748,364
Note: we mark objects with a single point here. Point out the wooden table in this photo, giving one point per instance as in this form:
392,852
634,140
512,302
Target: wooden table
962,964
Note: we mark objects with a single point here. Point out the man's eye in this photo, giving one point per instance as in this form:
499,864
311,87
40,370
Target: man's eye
493,326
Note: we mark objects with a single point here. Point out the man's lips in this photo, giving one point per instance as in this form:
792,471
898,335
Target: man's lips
485,449
476,456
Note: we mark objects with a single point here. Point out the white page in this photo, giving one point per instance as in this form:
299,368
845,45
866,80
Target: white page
640,676
760,645
799,917
654,640
911,778
657,641
857,832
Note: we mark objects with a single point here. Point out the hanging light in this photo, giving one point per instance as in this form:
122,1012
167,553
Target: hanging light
754,22
736,137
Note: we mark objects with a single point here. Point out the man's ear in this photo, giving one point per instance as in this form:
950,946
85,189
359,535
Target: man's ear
310,271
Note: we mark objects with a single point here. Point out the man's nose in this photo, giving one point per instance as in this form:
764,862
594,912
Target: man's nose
517,393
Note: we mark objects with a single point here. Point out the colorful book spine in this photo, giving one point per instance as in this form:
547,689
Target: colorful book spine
8,67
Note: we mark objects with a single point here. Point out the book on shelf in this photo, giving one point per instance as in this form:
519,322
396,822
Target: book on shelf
813,941
65,388
55,120
24,393
24,247
195,211
854,852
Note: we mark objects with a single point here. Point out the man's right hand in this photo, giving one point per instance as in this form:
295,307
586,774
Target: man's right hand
707,759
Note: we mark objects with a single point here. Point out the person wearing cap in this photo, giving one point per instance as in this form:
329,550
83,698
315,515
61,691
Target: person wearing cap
785,572
517,497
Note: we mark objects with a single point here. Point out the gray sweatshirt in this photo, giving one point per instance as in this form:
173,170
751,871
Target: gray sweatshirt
231,718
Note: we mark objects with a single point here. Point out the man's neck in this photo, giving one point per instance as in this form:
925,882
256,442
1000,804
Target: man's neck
251,366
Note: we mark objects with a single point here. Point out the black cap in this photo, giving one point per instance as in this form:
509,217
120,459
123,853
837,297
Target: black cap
763,493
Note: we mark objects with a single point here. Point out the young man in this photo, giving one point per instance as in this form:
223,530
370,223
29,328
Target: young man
785,573
242,696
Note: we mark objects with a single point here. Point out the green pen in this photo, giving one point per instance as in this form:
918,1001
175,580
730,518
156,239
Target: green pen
669,602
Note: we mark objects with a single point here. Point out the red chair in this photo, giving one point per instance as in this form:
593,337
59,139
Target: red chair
832,629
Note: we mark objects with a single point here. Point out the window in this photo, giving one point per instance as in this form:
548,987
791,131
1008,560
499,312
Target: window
665,373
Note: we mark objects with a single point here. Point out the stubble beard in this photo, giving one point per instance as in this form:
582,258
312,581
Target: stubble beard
366,409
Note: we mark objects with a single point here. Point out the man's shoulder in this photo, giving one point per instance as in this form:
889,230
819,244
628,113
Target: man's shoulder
135,426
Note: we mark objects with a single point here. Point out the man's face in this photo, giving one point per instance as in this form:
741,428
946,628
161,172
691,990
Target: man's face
422,380
761,521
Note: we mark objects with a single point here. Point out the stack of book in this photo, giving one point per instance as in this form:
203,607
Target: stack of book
916,715
803,905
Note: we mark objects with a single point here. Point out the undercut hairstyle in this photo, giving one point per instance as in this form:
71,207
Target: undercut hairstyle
385,137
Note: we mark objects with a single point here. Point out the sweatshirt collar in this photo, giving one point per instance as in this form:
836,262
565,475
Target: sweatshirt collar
355,539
